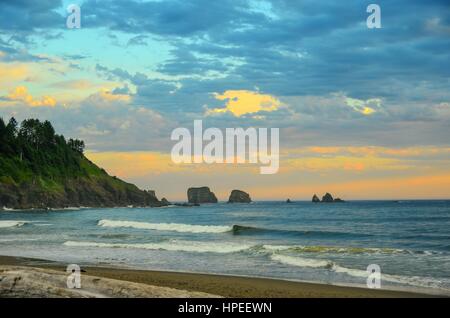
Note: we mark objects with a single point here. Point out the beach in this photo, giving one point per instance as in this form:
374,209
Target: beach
121,282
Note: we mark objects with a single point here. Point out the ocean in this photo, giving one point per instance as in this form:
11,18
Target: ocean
301,241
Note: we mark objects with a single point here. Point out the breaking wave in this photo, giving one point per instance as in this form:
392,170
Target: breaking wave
336,249
234,229
7,224
358,273
179,246
174,227
300,261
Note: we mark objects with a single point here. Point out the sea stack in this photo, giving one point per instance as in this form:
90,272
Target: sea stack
327,198
315,199
238,196
201,195
288,201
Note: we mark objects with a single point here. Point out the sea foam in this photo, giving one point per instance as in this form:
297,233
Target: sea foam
358,273
301,261
174,227
334,249
179,246
6,224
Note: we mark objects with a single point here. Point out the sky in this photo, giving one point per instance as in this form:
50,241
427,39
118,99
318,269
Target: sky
363,113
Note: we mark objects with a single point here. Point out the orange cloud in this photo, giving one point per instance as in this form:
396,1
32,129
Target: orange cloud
20,93
133,164
342,163
242,102
372,151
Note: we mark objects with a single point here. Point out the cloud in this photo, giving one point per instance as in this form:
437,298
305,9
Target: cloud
367,107
134,164
417,152
138,40
91,130
241,102
20,94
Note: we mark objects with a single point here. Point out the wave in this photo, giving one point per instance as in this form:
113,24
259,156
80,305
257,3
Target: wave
7,224
359,273
249,230
234,229
3,240
178,246
174,227
301,262
335,249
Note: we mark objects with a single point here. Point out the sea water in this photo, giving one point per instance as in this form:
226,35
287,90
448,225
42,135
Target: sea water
324,243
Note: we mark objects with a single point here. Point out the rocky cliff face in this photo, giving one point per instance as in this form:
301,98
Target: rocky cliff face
40,169
238,196
89,192
201,195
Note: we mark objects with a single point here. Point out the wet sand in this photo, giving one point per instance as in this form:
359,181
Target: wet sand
220,285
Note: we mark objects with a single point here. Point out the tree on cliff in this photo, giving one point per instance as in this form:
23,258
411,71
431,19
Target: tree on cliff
35,146
40,169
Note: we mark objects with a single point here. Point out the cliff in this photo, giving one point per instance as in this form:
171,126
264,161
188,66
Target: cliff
238,196
39,169
201,195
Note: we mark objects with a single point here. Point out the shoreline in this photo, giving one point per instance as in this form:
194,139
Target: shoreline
182,203
215,284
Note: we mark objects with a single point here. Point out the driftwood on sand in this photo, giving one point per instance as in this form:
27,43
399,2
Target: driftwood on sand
26,282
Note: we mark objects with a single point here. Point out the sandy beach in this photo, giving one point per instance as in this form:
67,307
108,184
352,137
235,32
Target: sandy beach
22,277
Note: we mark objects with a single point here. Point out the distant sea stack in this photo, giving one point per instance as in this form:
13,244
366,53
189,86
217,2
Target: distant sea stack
288,201
315,199
327,198
201,195
238,196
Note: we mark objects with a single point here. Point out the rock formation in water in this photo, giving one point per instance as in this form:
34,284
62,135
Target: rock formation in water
201,195
238,196
327,198
288,201
315,199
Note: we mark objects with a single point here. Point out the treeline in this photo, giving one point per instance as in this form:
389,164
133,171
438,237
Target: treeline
33,147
